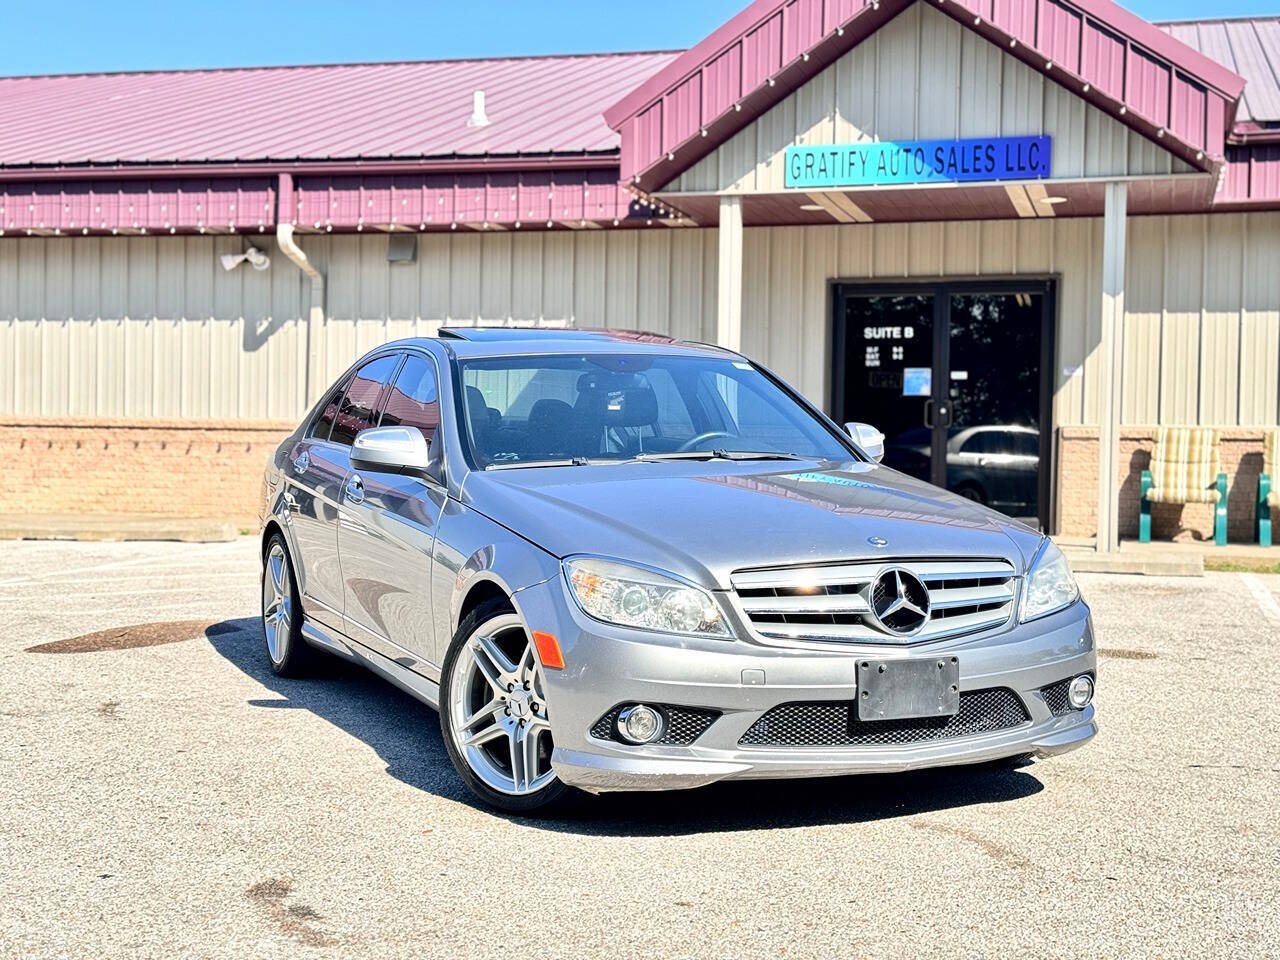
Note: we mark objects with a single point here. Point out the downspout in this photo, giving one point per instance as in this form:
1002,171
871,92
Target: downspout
285,217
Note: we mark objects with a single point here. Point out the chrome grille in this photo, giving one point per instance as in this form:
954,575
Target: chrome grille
834,603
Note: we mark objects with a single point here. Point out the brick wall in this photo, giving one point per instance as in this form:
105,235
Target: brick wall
164,468
211,469
1078,486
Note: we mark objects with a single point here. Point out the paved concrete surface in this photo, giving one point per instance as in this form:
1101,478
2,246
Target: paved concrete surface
172,799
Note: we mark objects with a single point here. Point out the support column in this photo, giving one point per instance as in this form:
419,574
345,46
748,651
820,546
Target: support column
1111,365
729,303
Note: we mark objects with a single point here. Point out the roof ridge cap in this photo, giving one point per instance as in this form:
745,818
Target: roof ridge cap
250,68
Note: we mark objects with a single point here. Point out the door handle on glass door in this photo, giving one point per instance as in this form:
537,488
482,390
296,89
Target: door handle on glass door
355,490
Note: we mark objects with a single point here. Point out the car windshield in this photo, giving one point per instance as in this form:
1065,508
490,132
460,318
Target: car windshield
564,410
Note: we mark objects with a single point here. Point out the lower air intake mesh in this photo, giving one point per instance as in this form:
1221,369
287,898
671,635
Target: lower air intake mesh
835,723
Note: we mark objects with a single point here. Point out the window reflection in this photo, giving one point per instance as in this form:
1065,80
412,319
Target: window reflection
360,405
414,400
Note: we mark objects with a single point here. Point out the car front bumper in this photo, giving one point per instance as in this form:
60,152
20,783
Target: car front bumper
742,680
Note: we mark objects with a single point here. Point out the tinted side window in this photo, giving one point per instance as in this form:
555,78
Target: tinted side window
328,412
414,401
985,442
359,410
1026,444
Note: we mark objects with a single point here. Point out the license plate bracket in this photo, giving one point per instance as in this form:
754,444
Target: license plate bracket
908,689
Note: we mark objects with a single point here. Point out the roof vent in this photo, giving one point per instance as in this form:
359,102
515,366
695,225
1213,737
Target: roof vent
478,117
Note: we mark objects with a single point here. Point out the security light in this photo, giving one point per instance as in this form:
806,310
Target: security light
255,257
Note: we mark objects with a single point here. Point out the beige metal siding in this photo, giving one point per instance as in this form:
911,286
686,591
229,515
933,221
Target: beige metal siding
154,327
921,77
1202,323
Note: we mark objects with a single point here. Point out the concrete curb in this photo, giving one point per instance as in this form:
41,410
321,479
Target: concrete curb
117,528
1147,564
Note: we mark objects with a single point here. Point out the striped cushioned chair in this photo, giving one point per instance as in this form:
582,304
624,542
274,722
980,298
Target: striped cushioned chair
1268,495
1185,468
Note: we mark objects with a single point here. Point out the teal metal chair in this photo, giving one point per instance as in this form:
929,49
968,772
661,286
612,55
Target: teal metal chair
1268,499
1186,467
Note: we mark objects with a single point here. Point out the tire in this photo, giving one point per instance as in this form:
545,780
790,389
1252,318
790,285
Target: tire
970,492
287,653
493,714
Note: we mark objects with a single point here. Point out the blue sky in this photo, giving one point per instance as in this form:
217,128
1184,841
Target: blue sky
78,35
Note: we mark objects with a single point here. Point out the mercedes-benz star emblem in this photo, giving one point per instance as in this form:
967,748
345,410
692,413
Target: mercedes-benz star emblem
877,541
900,602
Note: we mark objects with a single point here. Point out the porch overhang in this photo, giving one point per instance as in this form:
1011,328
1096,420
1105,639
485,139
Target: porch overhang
1144,78
1037,199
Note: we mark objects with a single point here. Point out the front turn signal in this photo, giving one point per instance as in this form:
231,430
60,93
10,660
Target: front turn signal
548,650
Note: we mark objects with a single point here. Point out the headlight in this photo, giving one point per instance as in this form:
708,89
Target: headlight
1050,584
635,597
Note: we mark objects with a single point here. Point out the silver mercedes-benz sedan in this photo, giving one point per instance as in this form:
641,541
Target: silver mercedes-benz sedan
615,561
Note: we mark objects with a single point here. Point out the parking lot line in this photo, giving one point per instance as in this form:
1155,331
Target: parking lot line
231,562
85,590
1263,596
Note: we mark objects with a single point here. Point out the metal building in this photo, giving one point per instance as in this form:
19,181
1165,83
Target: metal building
1020,233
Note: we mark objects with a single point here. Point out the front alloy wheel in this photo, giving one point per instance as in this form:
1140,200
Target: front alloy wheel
494,712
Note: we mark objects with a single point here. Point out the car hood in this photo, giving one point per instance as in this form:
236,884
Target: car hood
704,520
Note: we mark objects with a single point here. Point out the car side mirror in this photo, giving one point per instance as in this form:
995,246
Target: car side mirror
868,440
397,450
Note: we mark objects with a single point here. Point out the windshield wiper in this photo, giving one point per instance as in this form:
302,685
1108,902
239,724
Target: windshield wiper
649,458
538,464
721,455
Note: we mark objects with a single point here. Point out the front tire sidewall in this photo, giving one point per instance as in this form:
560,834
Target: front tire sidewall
528,803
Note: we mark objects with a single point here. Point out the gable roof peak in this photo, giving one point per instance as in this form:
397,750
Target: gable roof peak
1166,89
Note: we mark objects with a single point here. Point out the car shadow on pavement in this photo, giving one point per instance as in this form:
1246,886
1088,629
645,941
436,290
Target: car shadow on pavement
406,735
404,732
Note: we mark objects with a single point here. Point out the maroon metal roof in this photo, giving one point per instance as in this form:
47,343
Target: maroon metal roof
386,146
1248,45
138,206
1145,77
1252,177
318,203
536,105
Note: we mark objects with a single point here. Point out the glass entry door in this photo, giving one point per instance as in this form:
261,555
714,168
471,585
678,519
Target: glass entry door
956,376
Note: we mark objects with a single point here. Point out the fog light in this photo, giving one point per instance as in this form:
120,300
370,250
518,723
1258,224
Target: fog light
1080,692
640,724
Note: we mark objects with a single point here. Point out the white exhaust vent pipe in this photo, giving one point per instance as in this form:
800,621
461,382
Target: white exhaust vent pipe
478,116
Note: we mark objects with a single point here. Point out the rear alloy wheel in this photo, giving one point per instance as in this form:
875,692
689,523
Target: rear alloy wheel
282,612
493,712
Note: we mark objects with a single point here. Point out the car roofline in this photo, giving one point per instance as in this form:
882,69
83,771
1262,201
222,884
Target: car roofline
552,341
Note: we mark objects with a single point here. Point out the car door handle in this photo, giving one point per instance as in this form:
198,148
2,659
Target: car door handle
355,490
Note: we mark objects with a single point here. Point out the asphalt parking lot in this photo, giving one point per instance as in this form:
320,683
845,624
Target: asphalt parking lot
164,795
